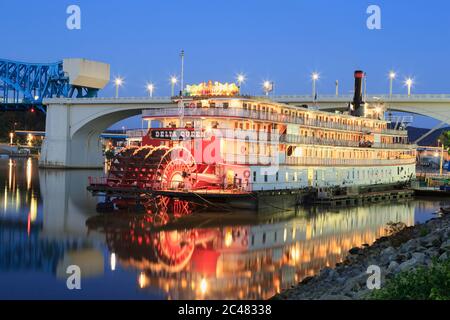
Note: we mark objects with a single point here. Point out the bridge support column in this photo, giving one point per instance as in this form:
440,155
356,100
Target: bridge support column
63,149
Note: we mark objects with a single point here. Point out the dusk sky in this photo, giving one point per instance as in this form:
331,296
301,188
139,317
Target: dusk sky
282,41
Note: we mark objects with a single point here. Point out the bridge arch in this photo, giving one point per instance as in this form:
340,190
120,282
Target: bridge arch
74,126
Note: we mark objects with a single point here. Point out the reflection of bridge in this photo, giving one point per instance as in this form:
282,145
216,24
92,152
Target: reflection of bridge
74,125
58,239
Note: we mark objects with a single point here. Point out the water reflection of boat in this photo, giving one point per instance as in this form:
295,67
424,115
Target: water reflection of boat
245,261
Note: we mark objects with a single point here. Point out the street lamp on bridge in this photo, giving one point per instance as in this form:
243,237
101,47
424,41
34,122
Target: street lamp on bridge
314,76
267,87
173,82
118,82
240,78
392,76
150,89
409,82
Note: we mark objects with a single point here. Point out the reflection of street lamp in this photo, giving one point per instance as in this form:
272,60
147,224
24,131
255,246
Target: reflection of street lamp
11,137
173,82
30,139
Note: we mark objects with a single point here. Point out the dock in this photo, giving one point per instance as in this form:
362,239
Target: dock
366,197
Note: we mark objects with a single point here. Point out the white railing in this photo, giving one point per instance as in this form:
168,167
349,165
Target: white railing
266,116
306,161
136,133
370,98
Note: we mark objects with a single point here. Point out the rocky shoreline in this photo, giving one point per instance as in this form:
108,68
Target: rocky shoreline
404,250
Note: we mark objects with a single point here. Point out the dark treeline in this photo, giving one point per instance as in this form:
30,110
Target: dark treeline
24,121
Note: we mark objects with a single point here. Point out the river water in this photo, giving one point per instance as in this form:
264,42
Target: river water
48,222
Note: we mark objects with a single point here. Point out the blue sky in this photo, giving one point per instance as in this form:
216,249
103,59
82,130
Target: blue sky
283,41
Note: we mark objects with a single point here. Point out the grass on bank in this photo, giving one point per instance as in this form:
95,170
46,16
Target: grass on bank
432,283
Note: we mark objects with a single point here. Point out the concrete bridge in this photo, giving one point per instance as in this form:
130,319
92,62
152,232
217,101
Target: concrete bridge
73,126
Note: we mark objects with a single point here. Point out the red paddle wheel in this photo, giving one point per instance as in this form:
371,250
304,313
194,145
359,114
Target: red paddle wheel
135,167
177,170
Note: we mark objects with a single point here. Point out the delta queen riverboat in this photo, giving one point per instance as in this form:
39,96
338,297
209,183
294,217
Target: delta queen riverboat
216,146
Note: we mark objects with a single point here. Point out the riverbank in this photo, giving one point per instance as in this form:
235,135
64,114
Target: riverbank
405,250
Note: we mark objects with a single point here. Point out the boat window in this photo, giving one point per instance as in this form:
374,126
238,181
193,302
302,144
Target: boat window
225,105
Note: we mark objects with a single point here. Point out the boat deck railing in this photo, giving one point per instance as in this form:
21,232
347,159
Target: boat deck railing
266,116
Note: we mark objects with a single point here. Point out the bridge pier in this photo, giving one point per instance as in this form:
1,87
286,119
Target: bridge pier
73,128
62,149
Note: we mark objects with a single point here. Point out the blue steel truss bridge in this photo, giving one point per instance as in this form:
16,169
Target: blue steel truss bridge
23,86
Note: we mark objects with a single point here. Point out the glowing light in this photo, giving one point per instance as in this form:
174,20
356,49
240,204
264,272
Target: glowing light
228,239
409,83
33,209
203,286
212,89
392,75
240,79
29,173
113,261
118,81
315,76
11,137
30,138
150,88
173,80
267,87
142,280
295,253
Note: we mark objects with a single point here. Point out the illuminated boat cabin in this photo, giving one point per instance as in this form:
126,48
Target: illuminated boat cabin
240,143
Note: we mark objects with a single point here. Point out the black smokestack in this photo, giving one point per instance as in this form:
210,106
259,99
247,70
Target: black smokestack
358,103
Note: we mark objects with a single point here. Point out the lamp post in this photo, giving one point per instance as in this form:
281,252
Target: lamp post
314,77
267,87
173,82
441,162
182,73
337,87
118,82
409,82
240,78
150,89
11,137
392,76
